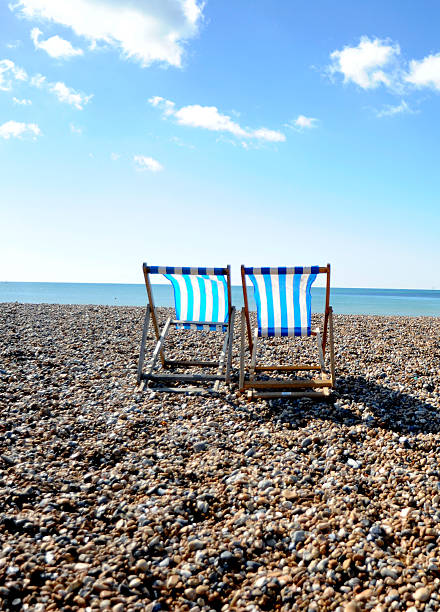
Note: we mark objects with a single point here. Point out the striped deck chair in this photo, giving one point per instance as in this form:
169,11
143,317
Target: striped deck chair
284,308
202,299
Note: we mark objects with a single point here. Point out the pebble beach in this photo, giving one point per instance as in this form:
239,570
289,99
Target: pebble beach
115,499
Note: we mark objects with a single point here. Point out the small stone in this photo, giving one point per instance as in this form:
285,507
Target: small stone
298,536
354,464
352,606
389,572
142,565
196,545
306,442
81,567
190,594
422,594
172,581
200,446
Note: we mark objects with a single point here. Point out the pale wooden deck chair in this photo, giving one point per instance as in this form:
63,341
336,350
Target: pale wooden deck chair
283,299
202,299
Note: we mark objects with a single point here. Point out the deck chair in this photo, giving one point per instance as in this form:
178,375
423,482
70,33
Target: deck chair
283,300
202,298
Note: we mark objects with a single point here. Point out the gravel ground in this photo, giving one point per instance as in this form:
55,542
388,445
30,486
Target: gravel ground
117,500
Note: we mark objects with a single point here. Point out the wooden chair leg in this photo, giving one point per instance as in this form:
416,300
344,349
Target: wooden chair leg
254,354
221,361
242,349
159,345
320,351
143,342
230,342
332,348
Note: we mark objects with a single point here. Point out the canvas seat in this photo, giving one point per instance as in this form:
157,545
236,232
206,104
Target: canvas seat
202,300
284,309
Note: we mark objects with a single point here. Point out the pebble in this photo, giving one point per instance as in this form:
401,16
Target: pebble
121,500
422,594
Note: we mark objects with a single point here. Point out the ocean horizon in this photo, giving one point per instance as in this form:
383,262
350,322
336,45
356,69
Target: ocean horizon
406,302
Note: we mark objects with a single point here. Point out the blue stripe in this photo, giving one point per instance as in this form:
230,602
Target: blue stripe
201,282
257,298
310,281
214,300
283,301
296,306
177,296
189,289
269,300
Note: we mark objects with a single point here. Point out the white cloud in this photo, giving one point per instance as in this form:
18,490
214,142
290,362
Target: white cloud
76,129
114,156
23,102
370,64
209,118
303,123
15,129
144,31
69,95
55,46
38,80
147,163
10,72
399,109
425,72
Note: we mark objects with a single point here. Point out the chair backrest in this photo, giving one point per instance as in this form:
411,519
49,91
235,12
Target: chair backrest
283,298
200,295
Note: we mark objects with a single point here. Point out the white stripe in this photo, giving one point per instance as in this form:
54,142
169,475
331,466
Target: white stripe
274,278
221,301
263,301
208,291
290,302
303,299
196,298
183,297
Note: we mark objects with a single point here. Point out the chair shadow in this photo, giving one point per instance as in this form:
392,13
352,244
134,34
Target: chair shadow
379,407
357,400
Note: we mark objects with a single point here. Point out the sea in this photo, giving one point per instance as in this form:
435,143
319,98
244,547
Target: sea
408,302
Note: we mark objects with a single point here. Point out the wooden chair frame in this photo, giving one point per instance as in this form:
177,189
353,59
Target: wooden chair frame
223,365
317,387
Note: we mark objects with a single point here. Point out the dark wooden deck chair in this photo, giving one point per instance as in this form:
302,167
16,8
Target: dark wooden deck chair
283,300
202,299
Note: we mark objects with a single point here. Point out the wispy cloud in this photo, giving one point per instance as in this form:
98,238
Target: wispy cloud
114,156
69,95
147,163
23,102
371,63
76,129
10,72
302,123
400,109
16,129
55,46
209,118
144,31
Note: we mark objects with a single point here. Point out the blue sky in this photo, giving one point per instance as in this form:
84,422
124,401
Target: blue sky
256,132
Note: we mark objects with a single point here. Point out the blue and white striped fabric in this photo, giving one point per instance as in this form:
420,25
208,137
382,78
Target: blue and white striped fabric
283,298
200,294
